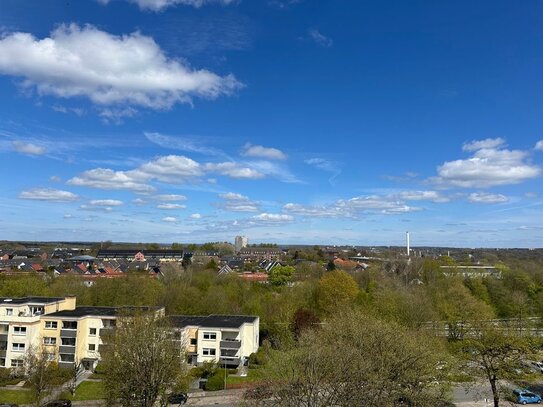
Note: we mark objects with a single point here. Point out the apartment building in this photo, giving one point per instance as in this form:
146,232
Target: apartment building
72,335
224,339
20,325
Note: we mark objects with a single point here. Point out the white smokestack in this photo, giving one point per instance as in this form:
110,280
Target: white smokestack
407,241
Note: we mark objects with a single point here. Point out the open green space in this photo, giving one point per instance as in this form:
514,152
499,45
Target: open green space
15,396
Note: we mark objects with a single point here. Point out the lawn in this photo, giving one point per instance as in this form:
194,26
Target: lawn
15,396
253,375
89,391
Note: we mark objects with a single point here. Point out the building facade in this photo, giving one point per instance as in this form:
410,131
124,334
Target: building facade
240,242
72,336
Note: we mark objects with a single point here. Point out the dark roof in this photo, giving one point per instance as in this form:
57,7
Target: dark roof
99,311
34,300
133,252
212,321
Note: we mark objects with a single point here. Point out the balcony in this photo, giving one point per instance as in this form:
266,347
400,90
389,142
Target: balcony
66,365
106,331
229,361
3,337
230,344
3,353
66,349
68,333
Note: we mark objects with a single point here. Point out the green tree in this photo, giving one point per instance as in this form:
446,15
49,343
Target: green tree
40,372
142,361
335,290
281,275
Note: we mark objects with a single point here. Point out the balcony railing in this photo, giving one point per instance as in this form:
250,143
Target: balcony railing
3,353
66,364
68,333
230,344
229,361
106,331
67,349
3,337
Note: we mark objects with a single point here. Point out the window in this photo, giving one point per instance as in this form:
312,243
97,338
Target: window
19,330
51,324
69,324
92,346
9,311
209,352
67,341
67,357
49,341
3,362
193,341
92,331
18,347
210,336
16,363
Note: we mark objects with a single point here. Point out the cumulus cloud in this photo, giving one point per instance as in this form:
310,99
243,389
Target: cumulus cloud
491,164
170,206
48,194
269,153
159,5
273,218
433,196
196,216
486,198
539,145
171,168
170,197
28,148
319,38
128,70
55,178
234,170
106,202
235,202
353,208
104,178
169,219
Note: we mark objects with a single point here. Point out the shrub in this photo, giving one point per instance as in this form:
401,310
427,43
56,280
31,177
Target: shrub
215,382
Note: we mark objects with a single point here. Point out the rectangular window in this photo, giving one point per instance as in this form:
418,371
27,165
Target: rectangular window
51,324
209,352
69,324
18,347
49,341
19,330
193,341
92,346
9,311
16,363
92,331
210,335
3,362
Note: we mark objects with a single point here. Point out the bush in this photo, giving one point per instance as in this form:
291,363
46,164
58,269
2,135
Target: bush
259,358
215,382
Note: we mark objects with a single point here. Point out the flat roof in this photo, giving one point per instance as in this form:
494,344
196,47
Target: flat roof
29,300
211,321
99,311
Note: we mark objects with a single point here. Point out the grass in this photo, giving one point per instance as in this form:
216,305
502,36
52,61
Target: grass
87,391
15,396
253,375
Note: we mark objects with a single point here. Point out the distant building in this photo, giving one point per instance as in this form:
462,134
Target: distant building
240,243
140,255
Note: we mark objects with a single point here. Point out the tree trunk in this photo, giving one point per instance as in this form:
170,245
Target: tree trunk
495,391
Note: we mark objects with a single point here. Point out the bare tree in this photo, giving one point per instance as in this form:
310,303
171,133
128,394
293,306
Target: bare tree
40,372
142,362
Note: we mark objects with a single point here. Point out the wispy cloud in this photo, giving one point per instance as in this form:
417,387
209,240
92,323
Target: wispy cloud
270,153
325,165
319,38
191,144
28,148
160,5
48,194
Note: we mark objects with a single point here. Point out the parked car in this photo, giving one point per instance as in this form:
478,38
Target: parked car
178,398
58,403
526,397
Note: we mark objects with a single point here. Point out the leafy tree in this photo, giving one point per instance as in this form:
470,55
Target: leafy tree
335,290
40,372
331,266
303,319
281,275
141,362
211,265
356,360
493,353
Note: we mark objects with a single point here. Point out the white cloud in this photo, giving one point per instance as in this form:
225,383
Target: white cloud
169,219
486,198
234,202
170,197
192,144
48,194
68,216
171,206
269,153
159,5
353,208
138,201
489,143
103,178
129,70
96,208
273,218
55,178
319,38
171,168
106,202
539,145
433,196
196,216
28,148
234,170
490,165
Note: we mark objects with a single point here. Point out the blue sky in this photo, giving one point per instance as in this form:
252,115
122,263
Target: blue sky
289,121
